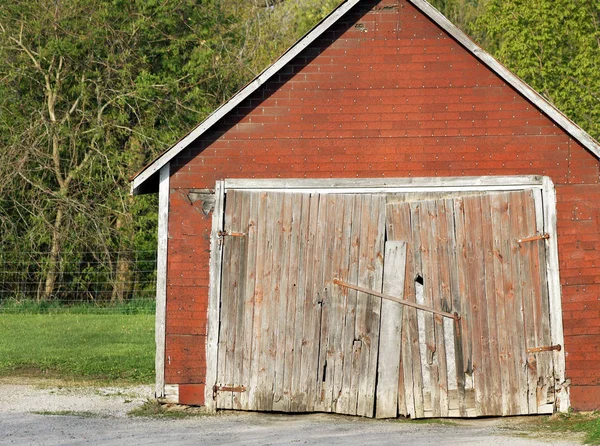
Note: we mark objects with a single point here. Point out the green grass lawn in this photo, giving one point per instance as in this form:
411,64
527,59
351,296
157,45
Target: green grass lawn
101,347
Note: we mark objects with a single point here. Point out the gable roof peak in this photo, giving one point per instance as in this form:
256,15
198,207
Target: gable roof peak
576,132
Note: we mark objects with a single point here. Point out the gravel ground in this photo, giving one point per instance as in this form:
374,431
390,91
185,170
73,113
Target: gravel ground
53,413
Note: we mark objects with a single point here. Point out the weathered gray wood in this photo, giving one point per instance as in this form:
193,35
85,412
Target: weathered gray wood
421,374
499,210
377,253
428,233
519,344
441,300
254,392
305,250
290,322
348,400
476,296
398,228
389,297
546,390
227,316
238,341
457,397
282,312
245,365
340,261
390,334
530,299
554,291
368,307
212,338
312,322
489,316
464,329
161,279
383,185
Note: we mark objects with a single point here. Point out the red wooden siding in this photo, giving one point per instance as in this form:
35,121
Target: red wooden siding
386,93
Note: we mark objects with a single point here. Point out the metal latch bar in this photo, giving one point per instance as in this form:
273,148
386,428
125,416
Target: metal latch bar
454,316
231,234
227,389
534,238
547,348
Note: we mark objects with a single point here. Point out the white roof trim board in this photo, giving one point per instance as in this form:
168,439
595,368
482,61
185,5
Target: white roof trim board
535,98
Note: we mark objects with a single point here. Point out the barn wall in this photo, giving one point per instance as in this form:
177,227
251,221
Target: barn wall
386,93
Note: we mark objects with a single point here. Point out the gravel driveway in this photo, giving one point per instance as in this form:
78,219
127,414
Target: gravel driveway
51,413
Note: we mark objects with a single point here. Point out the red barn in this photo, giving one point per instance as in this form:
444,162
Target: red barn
384,222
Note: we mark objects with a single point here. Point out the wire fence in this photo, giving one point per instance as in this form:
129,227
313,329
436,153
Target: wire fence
78,282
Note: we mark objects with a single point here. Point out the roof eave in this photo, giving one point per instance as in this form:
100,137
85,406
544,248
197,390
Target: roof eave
152,168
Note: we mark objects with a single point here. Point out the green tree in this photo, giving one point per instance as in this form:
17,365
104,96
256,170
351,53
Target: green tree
92,90
554,46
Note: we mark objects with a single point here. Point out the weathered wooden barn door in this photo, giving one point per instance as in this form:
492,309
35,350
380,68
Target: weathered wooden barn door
479,256
288,339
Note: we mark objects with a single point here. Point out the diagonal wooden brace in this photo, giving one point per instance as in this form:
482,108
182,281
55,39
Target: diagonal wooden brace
454,316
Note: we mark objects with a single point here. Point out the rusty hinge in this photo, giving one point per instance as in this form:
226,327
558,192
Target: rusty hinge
534,238
227,389
231,234
547,348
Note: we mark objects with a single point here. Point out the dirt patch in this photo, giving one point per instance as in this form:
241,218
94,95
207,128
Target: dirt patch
28,395
56,412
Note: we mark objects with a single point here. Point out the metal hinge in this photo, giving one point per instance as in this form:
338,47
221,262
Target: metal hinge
227,389
547,348
231,234
534,238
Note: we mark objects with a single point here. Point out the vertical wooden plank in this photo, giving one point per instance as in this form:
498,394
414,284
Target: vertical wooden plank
456,296
291,318
464,289
322,278
212,338
305,251
340,295
283,315
494,388
332,304
161,279
238,282
351,345
390,335
516,310
377,253
369,307
256,388
237,341
476,298
228,303
312,310
421,376
360,328
245,364
500,218
441,298
546,389
272,279
399,228
554,291
428,231
529,298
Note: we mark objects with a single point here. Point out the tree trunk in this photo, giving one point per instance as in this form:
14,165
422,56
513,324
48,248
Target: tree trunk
53,263
123,283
